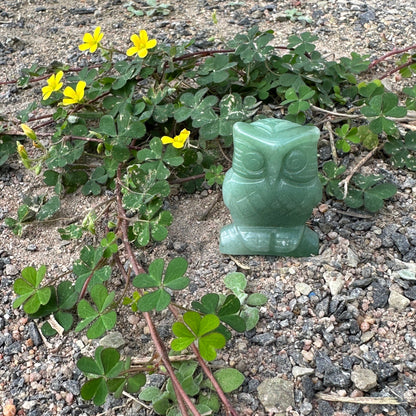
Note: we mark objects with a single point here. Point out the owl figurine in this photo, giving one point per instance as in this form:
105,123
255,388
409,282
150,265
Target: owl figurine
271,189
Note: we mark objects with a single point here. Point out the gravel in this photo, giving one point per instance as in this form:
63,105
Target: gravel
342,322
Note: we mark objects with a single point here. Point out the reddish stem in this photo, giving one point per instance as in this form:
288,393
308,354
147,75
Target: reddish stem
228,407
411,61
391,53
181,396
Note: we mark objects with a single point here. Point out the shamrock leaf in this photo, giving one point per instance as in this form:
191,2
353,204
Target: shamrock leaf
28,287
104,319
200,330
174,279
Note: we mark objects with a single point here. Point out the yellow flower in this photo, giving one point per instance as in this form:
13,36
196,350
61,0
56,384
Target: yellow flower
141,44
177,141
54,84
28,131
91,42
74,97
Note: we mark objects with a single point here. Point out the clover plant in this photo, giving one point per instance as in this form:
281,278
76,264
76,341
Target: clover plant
162,116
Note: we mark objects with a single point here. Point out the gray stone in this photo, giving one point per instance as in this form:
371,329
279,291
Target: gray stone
352,258
263,339
324,408
335,377
112,340
410,293
380,295
11,270
34,334
335,282
364,379
306,408
71,386
398,301
401,242
303,288
298,371
276,395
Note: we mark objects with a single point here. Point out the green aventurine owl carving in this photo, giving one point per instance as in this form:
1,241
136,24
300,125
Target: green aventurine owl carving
271,189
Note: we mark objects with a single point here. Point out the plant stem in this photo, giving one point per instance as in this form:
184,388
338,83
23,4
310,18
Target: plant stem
354,170
228,407
183,399
391,53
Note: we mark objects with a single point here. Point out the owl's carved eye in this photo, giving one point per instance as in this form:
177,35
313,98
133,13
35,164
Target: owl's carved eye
254,161
247,162
295,161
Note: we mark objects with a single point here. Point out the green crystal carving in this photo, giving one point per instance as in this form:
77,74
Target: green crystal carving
271,189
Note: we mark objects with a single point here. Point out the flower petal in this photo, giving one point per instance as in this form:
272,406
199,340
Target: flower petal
131,51
143,36
166,139
88,38
46,91
177,145
70,92
142,53
59,76
135,39
84,47
97,33
68,101
151,43
80,90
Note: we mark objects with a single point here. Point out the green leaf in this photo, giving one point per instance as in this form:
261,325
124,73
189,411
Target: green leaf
159,300
135,383
95,389
149,394
108,126
90,366
251,317
49,208
235,281
207,324
229,379
256,299
208,344
30,293
174,275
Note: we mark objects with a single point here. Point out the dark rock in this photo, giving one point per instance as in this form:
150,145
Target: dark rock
308,387
401,242
72,386
380,295
386,235
335,377
362,225
385,371
322,362
325,409
361,283
263,339
410,255
410,293
34,334
351,408
252,385
83,10
13,348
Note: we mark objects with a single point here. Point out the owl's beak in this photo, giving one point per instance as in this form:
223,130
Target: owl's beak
273,174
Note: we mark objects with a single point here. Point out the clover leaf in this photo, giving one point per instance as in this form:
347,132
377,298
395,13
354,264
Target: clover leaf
174,279
104,318
28,287
198,329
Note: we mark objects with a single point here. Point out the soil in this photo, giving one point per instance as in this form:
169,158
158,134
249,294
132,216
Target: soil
309,322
